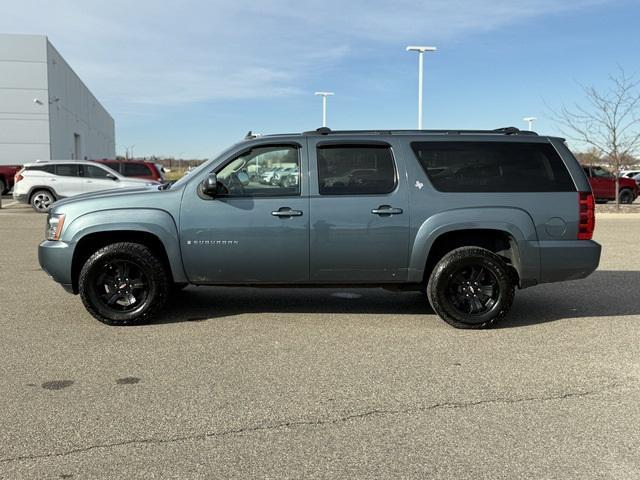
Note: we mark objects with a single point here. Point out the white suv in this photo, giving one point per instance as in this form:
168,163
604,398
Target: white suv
42,183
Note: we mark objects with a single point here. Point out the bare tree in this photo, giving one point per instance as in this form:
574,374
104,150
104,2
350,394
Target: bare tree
609,121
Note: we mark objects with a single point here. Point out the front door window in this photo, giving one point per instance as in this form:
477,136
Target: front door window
262,171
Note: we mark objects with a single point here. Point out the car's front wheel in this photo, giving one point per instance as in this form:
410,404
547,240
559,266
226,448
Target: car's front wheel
471,287
124,284
41,200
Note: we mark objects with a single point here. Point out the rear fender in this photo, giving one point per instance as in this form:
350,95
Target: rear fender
513,221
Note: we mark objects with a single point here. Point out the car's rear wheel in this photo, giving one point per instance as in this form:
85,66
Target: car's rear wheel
626,196
41,200
471,287
124,284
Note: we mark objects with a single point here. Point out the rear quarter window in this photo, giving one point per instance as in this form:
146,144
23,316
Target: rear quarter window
493,167
41,168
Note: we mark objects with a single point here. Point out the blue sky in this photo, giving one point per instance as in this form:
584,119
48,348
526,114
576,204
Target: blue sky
191,77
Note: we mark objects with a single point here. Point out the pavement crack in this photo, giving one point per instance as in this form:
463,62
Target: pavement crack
303,423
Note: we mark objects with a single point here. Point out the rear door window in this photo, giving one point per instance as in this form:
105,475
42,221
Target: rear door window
355,170
493,167
67,170
42,168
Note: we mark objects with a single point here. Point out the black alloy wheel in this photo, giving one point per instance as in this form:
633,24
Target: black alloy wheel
122,286
473,290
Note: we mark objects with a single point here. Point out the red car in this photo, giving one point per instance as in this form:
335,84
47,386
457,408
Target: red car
136,168
7,172
603,184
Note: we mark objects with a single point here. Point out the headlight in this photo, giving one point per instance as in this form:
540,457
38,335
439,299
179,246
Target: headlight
54,226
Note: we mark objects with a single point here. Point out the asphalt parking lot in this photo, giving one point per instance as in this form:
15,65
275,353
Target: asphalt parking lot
245,383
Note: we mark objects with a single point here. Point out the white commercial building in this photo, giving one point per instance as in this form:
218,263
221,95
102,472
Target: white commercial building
46,112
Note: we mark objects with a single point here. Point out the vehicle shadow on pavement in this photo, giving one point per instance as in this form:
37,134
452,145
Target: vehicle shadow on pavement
205,303
603,294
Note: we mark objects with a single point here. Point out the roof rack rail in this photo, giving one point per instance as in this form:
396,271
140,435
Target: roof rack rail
497,131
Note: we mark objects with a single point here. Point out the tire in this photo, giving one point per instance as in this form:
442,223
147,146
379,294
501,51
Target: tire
471,287
119,273
3,187
41,200
626,196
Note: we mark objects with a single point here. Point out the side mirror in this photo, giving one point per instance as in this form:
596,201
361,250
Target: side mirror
210,185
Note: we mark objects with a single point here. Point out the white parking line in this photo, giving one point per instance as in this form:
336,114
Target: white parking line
4,205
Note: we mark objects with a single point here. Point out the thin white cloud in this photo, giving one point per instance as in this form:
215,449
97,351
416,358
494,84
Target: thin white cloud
173,53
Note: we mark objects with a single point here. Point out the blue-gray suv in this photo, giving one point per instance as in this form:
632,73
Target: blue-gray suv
463,216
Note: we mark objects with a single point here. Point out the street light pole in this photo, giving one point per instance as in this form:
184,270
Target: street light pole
324,96
530,121
420,50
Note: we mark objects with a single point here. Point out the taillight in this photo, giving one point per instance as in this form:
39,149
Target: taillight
587,210
18,176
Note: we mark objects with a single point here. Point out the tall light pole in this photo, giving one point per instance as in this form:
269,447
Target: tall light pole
324,96
129,149
420,50
530,121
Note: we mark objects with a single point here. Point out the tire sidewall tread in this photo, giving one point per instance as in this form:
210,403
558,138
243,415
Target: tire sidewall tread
436,286
154,268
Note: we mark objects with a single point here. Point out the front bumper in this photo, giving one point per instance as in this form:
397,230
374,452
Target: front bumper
56,258
568,260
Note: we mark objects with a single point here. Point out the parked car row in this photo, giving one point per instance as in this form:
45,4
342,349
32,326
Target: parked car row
283,176
42,183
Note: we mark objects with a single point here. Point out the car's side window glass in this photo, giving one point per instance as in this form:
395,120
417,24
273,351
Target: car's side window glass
495,166
355,170
67,170
601,172
135,170
92,171
43,168
262,171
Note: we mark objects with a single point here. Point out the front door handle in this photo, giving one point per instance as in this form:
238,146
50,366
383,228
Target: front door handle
386,210
286,212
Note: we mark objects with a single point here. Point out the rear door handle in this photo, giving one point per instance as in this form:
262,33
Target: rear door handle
386,210
286,212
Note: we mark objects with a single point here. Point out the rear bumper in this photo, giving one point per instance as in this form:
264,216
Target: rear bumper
55,258
568,260
22,197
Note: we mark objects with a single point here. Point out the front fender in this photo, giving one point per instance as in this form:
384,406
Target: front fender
147,220
515,222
